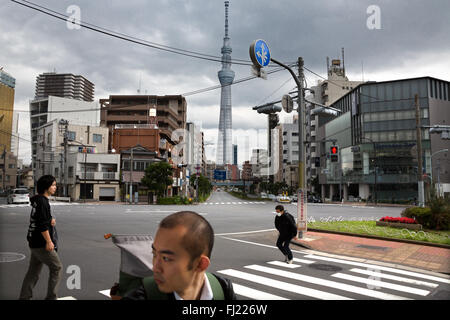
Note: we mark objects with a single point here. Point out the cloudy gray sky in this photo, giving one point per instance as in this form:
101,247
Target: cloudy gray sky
412,41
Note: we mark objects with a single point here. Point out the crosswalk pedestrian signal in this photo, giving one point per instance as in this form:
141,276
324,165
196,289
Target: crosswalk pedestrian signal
334,153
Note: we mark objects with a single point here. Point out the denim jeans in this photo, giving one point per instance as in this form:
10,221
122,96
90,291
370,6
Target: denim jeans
39,257
283,245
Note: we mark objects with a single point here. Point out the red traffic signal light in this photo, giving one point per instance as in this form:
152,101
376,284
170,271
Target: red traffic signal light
334,150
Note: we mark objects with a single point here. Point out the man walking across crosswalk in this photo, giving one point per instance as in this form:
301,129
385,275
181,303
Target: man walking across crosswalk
285,224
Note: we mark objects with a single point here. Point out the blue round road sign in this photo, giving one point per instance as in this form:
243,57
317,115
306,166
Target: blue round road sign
260,53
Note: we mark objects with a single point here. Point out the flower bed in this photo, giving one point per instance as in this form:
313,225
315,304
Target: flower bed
401,222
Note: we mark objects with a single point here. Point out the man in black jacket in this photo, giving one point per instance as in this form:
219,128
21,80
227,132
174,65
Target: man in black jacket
42,242
181,255
285,224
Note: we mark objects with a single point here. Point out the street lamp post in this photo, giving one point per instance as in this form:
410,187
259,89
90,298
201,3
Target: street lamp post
375,168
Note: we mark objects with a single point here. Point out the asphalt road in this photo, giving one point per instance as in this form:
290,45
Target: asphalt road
244,251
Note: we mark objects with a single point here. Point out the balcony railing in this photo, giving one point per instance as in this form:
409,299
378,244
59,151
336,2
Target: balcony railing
96,175
109,175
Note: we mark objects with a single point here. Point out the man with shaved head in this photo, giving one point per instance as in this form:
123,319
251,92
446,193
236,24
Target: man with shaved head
181,255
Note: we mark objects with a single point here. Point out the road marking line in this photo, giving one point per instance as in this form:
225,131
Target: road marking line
403,272
245,232
284,264
255,294
261,245
395,278
327,283
304,261
377,283
67,298
283,285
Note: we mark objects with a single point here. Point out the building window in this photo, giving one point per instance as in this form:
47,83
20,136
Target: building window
71,135
97,138
56,172
70,173
49,138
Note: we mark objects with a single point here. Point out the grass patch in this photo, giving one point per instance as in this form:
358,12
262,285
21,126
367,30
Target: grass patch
370,228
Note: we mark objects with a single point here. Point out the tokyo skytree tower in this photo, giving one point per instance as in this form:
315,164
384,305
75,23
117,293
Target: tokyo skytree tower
226,77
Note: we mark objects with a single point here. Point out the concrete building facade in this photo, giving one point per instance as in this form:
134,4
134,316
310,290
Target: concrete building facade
376,135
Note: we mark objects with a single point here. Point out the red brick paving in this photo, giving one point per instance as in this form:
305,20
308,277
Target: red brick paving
419,256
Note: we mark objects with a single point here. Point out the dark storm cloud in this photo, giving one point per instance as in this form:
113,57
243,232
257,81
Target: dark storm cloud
33,43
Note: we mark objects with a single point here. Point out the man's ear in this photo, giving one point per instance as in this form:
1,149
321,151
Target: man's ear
203,263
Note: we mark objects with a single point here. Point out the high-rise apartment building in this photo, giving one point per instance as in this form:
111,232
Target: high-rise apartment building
65,85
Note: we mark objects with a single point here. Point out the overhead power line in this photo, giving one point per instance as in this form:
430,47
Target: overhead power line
183,94
115,34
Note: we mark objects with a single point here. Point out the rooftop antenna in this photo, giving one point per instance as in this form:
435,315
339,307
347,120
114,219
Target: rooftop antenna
343,64
362,70
226,18
140,80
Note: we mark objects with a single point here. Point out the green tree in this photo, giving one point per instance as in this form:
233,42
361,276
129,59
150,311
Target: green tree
158,176
204,186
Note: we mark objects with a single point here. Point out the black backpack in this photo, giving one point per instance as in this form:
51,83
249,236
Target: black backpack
292,224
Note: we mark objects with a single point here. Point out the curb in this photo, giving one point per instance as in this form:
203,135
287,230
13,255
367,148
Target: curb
444,246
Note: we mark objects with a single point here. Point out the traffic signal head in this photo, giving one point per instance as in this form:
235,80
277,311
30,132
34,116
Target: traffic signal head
334,153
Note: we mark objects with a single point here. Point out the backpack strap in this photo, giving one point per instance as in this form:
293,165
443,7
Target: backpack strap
216,288
151,289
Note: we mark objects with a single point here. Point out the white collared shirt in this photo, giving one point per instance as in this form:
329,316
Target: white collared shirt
207,293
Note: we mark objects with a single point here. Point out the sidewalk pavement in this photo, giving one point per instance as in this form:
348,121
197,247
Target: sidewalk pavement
414,255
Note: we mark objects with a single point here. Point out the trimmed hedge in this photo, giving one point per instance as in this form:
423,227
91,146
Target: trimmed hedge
174,200
429,219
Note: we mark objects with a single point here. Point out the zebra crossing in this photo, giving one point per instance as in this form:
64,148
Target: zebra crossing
276,280
232,203
6,206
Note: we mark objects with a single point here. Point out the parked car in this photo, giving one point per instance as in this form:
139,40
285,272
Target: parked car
314,199
20,195
263,195
284,199
272,197
294,198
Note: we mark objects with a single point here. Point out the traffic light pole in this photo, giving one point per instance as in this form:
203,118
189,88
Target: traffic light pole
302,193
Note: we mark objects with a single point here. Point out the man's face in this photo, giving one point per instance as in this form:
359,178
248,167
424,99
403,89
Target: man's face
171,261
52,188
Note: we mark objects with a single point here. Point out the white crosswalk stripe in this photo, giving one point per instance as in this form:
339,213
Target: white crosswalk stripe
255,294
375,274
292,279
232,203
381,284
372,266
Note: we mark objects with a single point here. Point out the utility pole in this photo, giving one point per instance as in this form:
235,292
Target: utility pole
4,167
85,165
419,154
131,177
65,125
301,145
